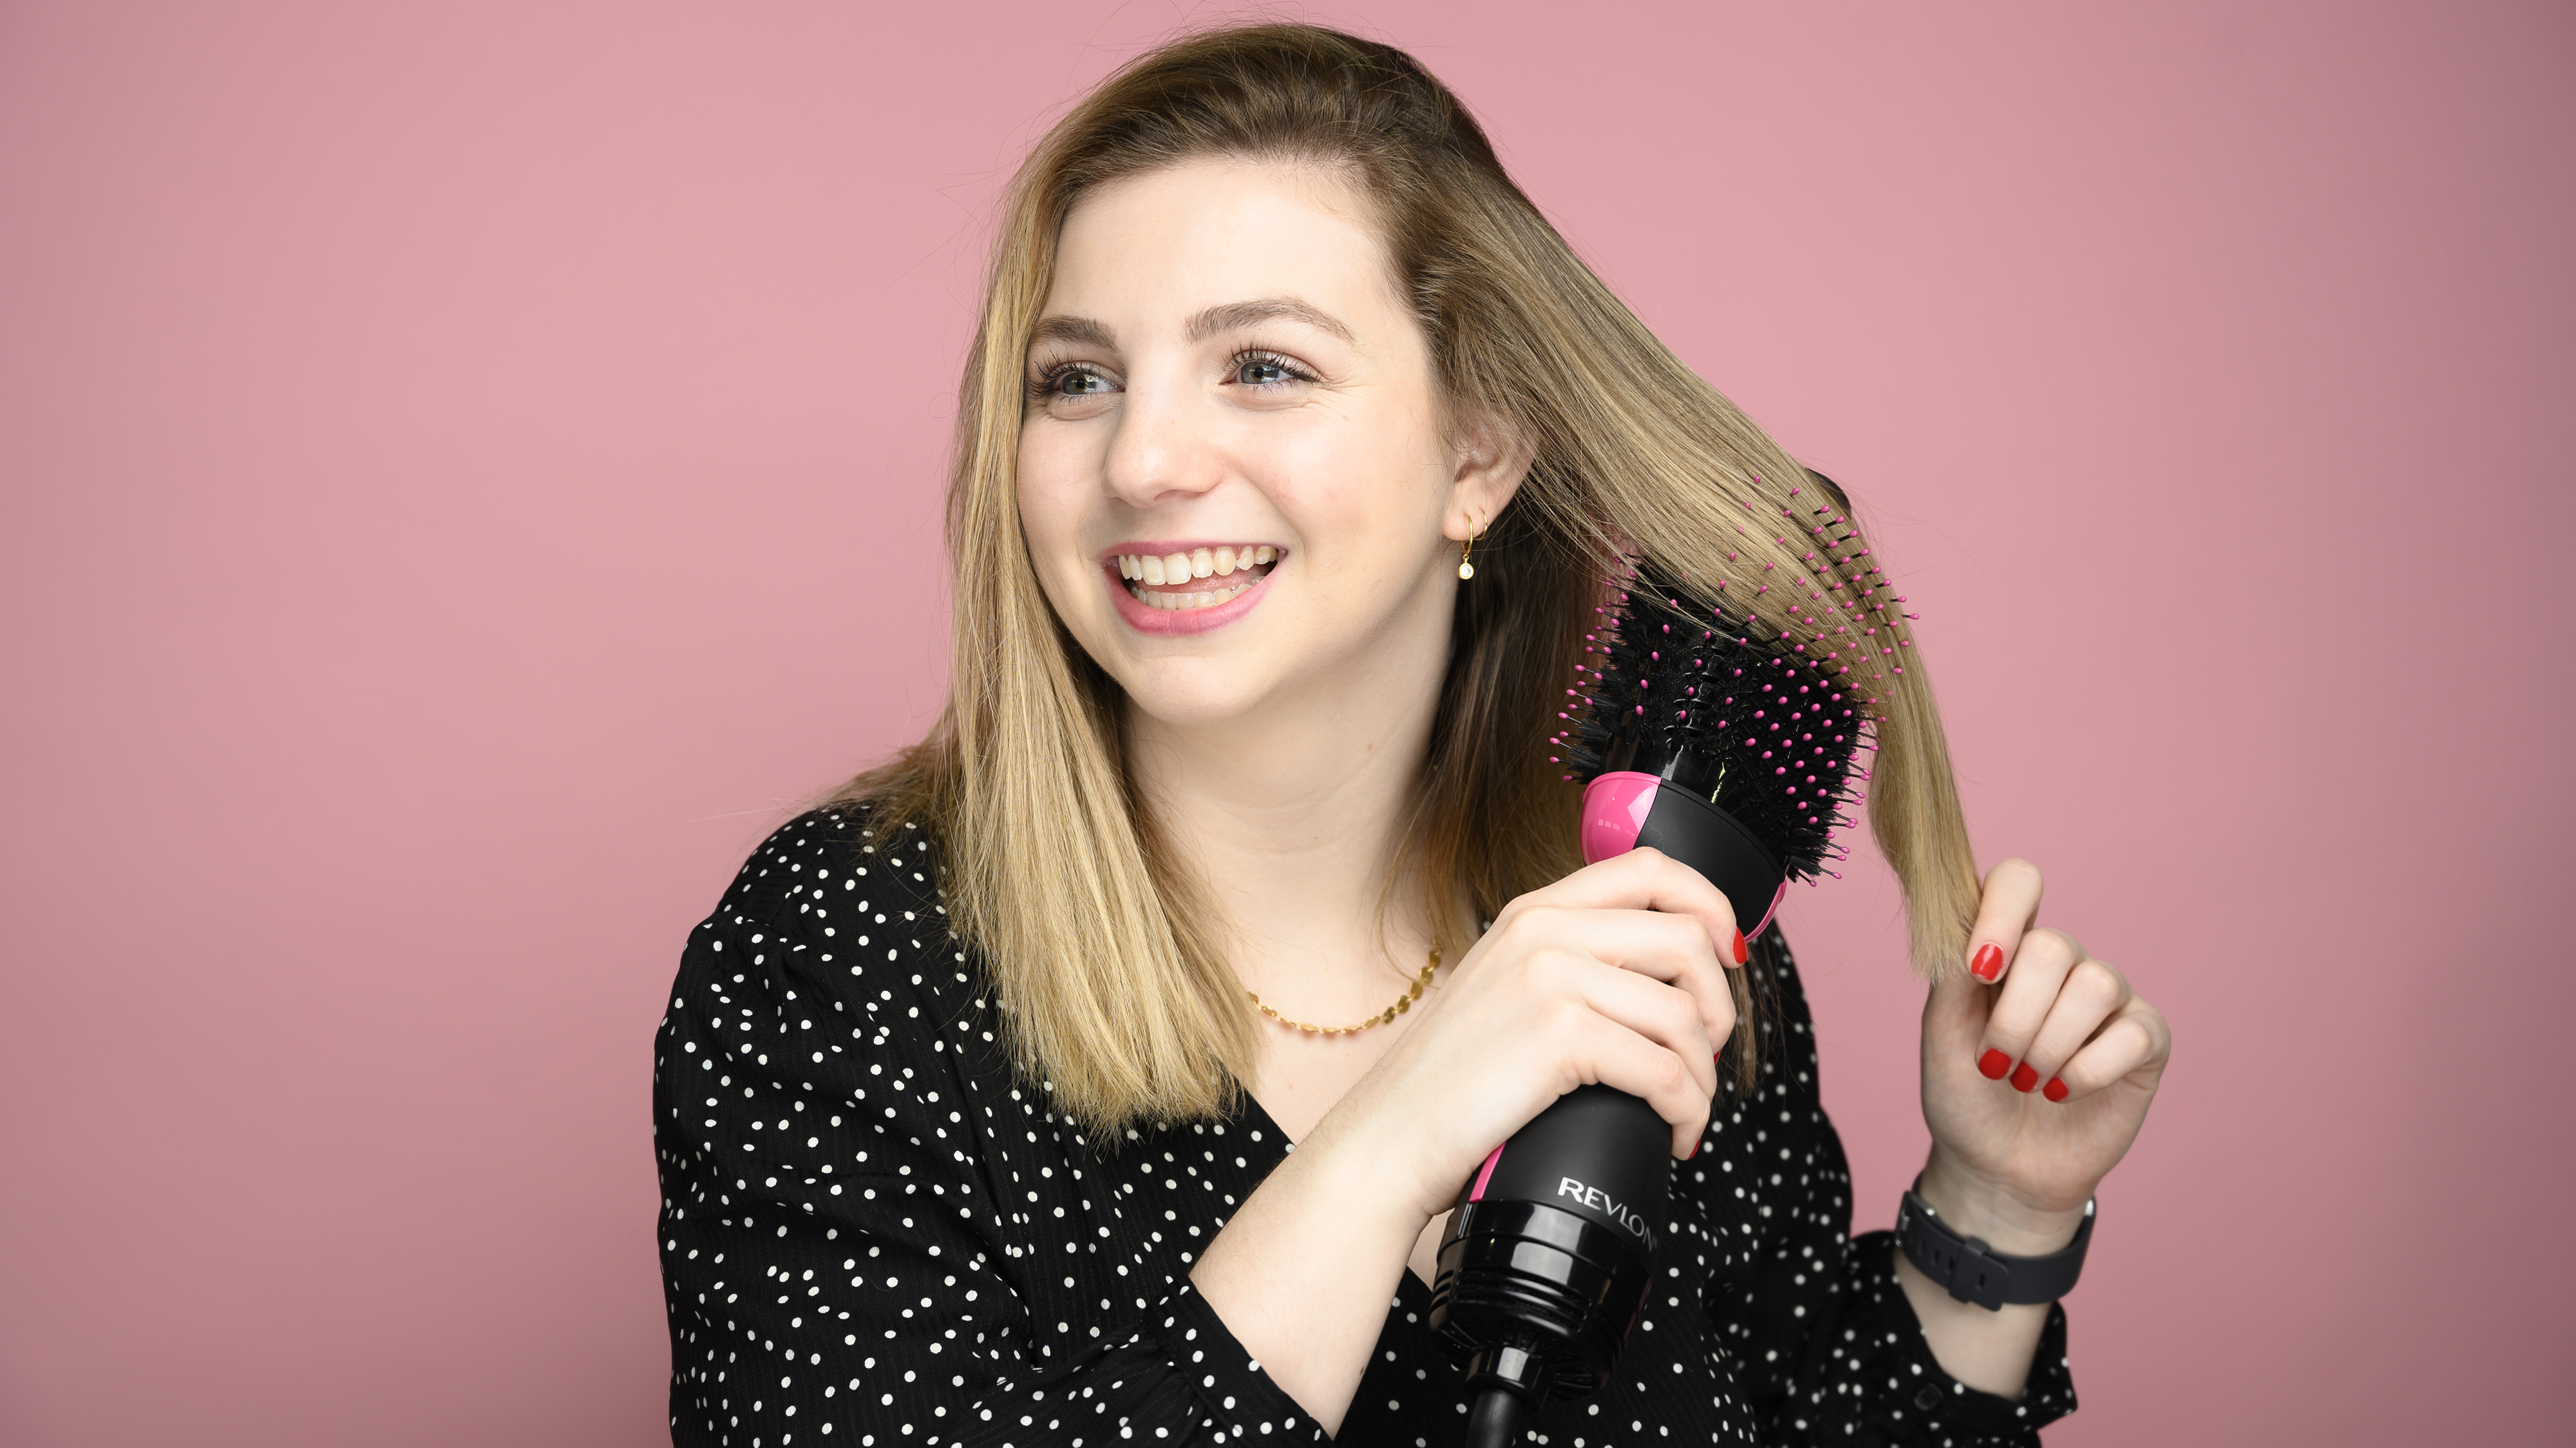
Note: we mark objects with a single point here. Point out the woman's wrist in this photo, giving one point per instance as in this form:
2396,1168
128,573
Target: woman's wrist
1985,1349
1368,1160
1365,1179
1974,1205
1302,1273
1343,1192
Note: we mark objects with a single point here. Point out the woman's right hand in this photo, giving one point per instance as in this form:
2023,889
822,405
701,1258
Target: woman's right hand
1614,975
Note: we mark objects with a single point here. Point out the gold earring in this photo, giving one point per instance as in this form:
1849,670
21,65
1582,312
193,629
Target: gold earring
1467,570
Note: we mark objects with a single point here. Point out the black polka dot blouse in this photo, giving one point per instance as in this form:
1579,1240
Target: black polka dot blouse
875,1233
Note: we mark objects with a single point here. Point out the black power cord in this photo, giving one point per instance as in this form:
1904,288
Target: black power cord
1495,1420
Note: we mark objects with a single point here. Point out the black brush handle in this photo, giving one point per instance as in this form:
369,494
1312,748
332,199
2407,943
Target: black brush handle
1550,1252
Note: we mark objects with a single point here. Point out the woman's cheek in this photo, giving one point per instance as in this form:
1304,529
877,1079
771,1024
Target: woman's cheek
1051,523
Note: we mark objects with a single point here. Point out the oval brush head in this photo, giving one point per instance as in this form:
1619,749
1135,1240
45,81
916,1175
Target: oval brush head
1709,701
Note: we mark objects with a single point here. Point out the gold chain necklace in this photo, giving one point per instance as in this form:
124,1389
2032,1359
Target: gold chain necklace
1402,1004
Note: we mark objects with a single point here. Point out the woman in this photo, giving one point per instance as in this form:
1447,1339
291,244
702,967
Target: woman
976,1095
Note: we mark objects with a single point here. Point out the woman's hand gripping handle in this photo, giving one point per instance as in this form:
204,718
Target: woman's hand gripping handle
1614,975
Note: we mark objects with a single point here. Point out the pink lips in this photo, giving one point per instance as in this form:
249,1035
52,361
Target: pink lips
1147,619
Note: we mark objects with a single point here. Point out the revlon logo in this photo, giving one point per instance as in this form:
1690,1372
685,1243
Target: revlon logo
1601,1201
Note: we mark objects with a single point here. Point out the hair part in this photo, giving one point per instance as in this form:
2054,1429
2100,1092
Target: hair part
1103,950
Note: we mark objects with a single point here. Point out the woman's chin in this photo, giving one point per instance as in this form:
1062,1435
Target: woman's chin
1195,694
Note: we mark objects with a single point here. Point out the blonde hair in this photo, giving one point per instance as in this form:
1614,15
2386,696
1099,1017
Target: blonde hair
1101,949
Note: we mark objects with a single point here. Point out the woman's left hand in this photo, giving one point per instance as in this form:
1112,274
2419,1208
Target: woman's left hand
2038,1065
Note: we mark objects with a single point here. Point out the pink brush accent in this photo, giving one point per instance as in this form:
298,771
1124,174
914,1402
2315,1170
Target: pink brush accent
1485,1174
1615,806
1614,810
1776,897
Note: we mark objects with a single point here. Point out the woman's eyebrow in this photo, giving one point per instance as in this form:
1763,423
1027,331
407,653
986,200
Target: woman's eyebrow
1224,317
1231,316
1080,331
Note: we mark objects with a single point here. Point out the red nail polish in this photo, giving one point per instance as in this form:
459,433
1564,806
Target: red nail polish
2055,1090
1739,947
2024,1078
1993,1065
1988,964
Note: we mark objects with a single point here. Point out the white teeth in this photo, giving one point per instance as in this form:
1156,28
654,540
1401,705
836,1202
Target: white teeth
1168,568
1197,563
1184,602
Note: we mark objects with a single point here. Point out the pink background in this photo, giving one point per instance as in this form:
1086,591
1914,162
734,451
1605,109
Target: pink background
467,470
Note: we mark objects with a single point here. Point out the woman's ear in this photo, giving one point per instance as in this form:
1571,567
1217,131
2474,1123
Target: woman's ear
1493,458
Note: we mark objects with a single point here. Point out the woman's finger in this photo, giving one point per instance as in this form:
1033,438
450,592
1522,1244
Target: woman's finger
2136,1040
1673,949
1626,1061
2006,909
2040,967
1647,880
1954,1021
2092,994
1665,1015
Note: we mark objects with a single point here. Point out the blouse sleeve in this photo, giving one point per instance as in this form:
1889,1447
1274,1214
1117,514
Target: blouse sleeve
1830,1345
837,1267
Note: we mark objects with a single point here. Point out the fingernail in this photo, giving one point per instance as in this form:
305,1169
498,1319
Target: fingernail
2055,1090
1993,1065
1739,947
1988,964
2024,1078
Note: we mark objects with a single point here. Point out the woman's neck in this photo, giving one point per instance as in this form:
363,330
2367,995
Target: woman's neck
1293,816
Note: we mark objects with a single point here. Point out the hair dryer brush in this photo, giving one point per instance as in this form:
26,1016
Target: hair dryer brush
1730,752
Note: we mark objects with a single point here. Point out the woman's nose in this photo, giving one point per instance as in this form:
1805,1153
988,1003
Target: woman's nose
1160,450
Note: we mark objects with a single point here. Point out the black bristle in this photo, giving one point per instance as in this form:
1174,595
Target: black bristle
1750,708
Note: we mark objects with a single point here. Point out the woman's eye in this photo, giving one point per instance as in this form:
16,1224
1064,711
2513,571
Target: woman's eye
1261,369
1070,381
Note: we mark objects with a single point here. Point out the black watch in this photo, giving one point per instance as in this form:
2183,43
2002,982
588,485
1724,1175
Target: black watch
1973,1273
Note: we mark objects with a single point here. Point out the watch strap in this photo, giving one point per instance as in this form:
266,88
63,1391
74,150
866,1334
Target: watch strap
1971,1271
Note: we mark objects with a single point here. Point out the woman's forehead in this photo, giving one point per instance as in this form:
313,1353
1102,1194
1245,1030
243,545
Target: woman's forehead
1165,248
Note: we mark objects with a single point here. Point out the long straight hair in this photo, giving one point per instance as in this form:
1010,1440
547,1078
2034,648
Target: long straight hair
1103,951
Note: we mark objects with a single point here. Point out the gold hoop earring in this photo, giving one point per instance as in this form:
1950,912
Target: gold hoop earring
1467,570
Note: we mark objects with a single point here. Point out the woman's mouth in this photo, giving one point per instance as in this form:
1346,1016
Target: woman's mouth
1195,578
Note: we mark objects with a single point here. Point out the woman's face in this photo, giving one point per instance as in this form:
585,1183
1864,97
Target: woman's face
1233,472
